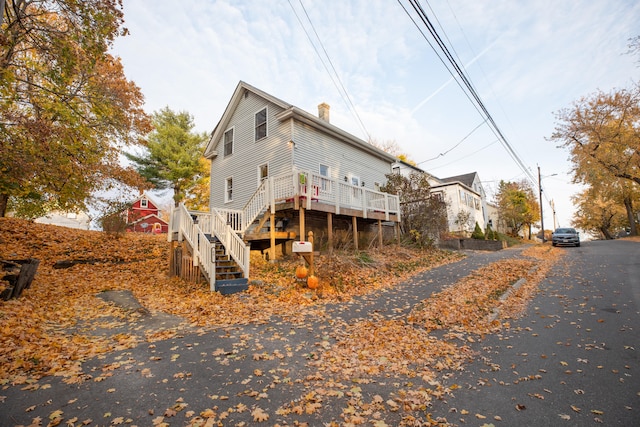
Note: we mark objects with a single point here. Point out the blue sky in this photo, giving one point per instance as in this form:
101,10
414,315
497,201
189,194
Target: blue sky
526,60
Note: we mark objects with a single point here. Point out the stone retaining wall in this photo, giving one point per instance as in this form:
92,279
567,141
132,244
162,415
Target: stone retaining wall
472,244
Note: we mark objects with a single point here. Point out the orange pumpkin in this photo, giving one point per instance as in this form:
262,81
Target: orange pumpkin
301,272
312,282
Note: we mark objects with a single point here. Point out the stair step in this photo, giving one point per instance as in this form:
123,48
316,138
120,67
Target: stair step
232,286
228,273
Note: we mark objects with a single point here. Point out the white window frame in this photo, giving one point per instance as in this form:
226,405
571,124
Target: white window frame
255,125
260,177
228,189
224,141
144,203
324,181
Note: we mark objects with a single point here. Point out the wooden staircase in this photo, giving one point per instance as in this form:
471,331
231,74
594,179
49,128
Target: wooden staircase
259,232
228,274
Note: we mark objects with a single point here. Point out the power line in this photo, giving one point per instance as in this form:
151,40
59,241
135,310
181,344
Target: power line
342,91
462,80
452,148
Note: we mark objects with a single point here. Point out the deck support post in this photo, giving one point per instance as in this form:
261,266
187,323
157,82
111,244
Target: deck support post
396,227
380,233
354,221
272,236
330,231
301,211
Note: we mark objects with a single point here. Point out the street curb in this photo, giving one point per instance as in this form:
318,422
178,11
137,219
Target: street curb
495,312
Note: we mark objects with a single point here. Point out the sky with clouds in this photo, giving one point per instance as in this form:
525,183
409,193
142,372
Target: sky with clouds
526,59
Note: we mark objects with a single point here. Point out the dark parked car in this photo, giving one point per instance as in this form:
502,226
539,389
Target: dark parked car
565,236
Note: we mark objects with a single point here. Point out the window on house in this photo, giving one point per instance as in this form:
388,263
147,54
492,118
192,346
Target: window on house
228,142
263,173
355,181
324,181
261,124
228,190
144,203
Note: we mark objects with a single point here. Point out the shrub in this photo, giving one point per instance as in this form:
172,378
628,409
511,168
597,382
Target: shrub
477,232
489,234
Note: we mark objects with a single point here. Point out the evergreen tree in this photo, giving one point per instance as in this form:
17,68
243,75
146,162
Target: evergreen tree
489,234
173,154
477,232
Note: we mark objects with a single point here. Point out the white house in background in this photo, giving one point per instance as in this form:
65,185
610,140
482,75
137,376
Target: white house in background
79,220
463,194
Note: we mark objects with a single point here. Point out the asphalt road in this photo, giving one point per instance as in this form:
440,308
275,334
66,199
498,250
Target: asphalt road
572,360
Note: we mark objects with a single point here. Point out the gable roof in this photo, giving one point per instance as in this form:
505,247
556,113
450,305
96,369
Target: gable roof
466,179
290,111
144,195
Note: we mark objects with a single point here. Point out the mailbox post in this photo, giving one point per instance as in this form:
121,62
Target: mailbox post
305,249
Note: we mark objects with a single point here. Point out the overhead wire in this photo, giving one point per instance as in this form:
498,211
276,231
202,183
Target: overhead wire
342,91
456,145
468,155
462,80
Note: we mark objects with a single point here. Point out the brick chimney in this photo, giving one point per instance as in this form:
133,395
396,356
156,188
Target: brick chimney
323,112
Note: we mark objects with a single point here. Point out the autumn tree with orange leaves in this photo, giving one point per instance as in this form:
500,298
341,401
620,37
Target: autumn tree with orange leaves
66,107
518,207
602,132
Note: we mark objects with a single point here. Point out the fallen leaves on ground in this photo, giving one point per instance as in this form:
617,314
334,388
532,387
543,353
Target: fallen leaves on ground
51,328
470,304
54,326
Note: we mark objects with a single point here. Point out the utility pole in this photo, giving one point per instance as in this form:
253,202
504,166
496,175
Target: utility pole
541,214
553,208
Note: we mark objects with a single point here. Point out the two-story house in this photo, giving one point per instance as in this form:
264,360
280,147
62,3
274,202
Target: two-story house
278,172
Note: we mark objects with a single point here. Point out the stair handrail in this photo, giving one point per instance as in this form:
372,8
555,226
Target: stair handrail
232,242
202,248
256,204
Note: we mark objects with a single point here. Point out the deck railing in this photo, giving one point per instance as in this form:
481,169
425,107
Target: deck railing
315,187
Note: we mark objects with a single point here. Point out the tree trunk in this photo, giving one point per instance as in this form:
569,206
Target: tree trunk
4,199
176,192
606,233
628,204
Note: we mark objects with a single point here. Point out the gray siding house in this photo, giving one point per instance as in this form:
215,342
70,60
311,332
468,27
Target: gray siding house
277,172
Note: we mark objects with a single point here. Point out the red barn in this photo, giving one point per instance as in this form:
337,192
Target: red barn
144,216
